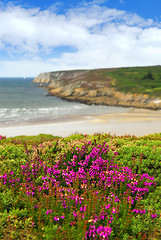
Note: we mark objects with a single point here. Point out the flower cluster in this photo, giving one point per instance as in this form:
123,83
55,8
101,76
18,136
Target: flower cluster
85,188
2,137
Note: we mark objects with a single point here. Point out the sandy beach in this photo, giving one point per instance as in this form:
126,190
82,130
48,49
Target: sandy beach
136,122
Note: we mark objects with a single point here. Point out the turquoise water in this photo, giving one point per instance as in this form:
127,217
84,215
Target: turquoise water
21,101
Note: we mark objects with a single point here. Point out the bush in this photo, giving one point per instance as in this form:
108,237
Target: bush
81,187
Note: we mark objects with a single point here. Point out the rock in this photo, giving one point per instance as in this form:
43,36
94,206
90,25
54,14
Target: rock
80,92
85,87
93,93
106,92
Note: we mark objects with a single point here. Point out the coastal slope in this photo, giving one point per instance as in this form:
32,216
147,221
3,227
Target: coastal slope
138,87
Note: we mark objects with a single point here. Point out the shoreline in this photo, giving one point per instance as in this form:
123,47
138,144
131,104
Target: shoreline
117,99
138,122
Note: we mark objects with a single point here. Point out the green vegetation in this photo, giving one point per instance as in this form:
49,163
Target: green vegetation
80,187
144,80
31,140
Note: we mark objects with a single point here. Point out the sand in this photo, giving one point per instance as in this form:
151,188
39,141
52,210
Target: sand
138,122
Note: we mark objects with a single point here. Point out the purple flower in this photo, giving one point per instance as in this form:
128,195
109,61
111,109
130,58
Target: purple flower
82,209
74,214
143,211
107,206
154,215
23,166
56,218
104,232
91,232
113,210
49,211
136,210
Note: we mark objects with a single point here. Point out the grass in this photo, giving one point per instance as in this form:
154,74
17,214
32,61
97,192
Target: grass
80,187
32,140
144,80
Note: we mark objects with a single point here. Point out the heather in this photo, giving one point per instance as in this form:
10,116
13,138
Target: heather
80,187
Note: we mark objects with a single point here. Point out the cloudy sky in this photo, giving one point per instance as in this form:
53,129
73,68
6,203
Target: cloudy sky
43,35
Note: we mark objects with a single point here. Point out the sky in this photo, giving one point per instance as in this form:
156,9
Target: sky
43,35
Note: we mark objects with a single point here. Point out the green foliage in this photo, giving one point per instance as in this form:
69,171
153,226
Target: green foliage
148,76
144,80
16,225
23,215
31,140
11,157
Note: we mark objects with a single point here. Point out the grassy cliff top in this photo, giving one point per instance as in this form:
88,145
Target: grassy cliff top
144,80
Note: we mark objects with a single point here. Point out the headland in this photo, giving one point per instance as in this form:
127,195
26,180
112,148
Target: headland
138,87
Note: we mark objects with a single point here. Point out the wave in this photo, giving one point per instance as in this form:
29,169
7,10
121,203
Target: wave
27,114
30,114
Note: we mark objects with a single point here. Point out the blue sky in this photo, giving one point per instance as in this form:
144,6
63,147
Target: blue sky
39,36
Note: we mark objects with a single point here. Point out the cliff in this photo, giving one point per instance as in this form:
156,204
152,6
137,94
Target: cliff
94,87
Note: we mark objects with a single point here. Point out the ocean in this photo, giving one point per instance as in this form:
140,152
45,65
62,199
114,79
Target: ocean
21,101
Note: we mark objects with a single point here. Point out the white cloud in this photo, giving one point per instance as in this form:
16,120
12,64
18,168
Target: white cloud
102,37
24,68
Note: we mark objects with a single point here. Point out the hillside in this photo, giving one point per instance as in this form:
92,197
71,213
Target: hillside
132,87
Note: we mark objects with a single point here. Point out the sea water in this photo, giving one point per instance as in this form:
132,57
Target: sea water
21,101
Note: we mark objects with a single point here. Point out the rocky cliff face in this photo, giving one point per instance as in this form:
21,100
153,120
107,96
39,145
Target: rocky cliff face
59,77
92,87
